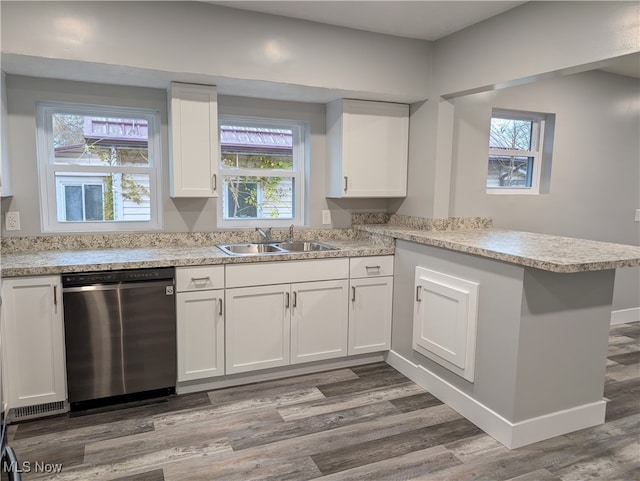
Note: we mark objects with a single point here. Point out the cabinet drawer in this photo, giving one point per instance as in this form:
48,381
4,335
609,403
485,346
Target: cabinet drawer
199,278
371,266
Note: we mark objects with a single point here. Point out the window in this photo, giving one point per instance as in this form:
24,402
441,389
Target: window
515,152
99,168
262,171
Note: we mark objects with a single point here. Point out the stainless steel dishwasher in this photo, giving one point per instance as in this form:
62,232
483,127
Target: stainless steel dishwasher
120,335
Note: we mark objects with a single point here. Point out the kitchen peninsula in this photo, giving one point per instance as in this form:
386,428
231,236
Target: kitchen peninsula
537,334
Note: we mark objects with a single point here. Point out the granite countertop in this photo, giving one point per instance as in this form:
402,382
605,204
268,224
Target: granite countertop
90,260
542,251
466,235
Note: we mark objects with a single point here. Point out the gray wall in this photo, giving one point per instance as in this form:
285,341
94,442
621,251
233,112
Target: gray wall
179,215
595,173
242,52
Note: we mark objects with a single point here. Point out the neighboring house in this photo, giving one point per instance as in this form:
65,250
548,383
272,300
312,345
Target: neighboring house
256,148
95,196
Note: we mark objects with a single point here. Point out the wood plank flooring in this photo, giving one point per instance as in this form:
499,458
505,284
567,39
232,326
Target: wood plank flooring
362,423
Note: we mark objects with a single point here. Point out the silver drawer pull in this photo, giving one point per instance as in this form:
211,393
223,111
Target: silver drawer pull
372,267
200,280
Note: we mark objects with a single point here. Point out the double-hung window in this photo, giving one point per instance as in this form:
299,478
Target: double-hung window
99,168
262,171
515,152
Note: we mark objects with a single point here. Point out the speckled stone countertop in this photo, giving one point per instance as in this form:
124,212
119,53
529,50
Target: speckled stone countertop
546,252
74,254
59,254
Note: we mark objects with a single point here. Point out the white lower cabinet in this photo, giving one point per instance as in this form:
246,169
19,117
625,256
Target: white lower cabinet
273,326
371,303
281,313
200,322
445,317
370,312
258,327
33,341
319,320
301,317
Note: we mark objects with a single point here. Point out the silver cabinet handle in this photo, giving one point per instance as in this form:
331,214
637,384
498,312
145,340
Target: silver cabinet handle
295,299
372,267
286,302
195,280
220,306
418,291
55,295
214,179
353,293
346,183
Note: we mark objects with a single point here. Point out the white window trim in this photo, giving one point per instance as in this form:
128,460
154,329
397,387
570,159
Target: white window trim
300,140
537,137
47,169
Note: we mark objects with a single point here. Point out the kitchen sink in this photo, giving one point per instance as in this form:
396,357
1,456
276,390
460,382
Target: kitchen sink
250,249
303,246
255,248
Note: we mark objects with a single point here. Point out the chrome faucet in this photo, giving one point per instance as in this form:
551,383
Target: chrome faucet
291,233
266,234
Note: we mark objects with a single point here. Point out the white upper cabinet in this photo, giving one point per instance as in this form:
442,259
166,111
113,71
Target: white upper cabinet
5,185
367,148
194,145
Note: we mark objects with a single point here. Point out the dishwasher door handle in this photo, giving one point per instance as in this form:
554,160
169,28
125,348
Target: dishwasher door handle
112,287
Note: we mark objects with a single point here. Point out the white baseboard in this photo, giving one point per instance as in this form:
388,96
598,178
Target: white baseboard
275,373
512,435
624,316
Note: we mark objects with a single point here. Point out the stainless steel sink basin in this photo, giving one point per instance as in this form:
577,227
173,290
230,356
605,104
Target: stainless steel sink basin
250,249
304,246
256,248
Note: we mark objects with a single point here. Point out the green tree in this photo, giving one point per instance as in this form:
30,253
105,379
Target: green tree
244,189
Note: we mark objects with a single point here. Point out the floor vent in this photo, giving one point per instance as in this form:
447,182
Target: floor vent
39,410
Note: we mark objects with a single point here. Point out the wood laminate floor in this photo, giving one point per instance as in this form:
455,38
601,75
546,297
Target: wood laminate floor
362,423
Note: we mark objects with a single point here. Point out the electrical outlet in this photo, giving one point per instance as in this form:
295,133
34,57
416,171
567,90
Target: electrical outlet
12,221
637,215
326,217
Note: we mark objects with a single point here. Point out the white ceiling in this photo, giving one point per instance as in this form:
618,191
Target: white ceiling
421,19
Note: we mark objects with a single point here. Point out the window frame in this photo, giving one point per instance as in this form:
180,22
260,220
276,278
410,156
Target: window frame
48,169
300,131
536,152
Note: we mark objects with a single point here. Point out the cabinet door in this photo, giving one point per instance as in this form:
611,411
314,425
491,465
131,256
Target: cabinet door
319,320
193,118
200,332
257,327
33,341
444,320
370,141
5,179
370,310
